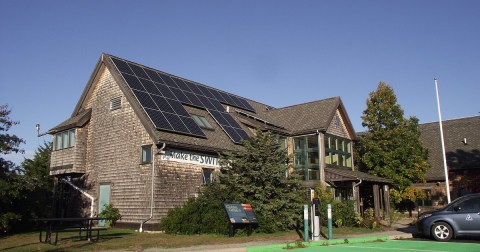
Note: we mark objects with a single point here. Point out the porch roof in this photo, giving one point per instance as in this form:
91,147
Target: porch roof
342,174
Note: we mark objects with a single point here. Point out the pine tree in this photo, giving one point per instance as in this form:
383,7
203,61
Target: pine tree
391,147
256,174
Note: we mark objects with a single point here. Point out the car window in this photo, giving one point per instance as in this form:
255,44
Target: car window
470,205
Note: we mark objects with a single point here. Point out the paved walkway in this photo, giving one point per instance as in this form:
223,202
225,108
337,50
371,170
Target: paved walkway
402,230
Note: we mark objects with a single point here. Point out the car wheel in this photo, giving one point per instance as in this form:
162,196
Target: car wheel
441,231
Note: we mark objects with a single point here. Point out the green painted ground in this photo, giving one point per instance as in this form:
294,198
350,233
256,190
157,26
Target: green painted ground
374,244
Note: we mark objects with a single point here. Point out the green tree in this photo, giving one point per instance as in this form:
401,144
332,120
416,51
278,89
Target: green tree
9,172
256,174
391,148
37,186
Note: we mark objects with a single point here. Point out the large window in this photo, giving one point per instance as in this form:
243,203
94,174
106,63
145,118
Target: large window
338,151
64,139
306,159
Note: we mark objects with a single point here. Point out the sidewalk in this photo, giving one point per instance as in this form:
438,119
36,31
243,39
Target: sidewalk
401,230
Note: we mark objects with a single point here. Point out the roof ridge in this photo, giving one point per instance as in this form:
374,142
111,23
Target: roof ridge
454,119
305,103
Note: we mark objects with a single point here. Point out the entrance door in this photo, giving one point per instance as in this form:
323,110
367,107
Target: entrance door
103,200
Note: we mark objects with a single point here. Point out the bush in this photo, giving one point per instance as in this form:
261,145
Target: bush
112,214
204,214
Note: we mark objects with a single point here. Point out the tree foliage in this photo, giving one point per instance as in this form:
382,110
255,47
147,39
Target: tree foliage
391,148
26,190
254,174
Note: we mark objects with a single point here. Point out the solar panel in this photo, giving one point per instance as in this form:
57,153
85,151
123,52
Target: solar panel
162,95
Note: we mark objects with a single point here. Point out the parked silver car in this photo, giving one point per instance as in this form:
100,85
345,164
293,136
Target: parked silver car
459,218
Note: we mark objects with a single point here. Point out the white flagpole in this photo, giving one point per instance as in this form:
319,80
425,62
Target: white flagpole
445,169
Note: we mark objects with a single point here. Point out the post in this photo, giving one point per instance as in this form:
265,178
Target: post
305,223
445,170
316,219
329,215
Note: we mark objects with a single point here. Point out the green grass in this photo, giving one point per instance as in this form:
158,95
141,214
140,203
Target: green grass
125,239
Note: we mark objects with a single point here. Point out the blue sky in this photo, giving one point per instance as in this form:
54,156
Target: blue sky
276,52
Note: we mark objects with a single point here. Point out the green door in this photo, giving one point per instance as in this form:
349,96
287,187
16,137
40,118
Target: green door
103,200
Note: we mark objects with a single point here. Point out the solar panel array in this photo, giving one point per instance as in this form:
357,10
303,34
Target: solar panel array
162,95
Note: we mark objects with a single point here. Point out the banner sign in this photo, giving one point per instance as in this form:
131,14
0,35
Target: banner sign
240,213
190,157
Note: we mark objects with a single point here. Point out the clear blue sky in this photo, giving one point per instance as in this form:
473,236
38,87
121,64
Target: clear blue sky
276,52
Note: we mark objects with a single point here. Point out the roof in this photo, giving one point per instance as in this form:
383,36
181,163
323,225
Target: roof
342,174
293,120
77,120
462,145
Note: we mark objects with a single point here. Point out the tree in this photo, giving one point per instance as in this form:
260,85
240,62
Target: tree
37,186
391,148
255,174
9,172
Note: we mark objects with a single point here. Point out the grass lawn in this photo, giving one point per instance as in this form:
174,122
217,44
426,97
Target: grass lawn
125,239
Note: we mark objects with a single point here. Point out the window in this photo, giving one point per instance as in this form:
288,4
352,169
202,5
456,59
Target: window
146,154
306,158
207,176
338,151
64,139
202,122
116,103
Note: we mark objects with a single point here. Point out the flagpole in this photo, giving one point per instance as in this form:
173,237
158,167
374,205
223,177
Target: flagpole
445,169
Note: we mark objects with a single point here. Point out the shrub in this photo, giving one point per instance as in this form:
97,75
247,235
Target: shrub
112,214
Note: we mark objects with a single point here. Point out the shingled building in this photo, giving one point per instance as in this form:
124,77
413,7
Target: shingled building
462,149
146,141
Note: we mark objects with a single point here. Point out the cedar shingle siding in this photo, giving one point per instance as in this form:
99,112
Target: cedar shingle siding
109,143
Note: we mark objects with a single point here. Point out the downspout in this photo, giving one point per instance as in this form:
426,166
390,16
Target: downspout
84,193
354,191
152,187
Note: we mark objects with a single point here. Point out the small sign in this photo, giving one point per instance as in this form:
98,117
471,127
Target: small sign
240,213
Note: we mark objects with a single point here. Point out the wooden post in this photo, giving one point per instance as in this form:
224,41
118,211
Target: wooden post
376,200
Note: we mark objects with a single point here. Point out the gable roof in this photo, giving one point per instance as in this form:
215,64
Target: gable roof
459,155
293,120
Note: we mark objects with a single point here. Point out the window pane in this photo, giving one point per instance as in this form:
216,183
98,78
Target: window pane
313,157
146,154
206,124
72,138
58,141
299,143
312,142
197,120
327,142
65,139
207,176
313,174
299,159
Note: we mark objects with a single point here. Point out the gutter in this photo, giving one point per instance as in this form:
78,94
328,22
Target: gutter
160,151
92,199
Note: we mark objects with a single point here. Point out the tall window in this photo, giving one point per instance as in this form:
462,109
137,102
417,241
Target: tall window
207,176
64,139
146,154
338,151
306,159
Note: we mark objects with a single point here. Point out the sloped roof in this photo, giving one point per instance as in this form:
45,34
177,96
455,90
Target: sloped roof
78,120
459,155
293,120
342,174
